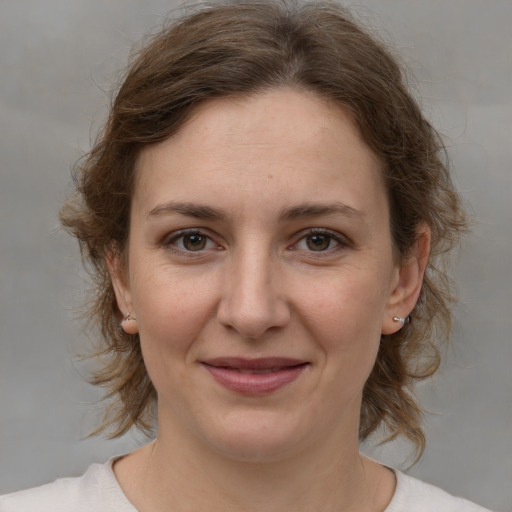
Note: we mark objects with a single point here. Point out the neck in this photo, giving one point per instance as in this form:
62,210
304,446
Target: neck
174,473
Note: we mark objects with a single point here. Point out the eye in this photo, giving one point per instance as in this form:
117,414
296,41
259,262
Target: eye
319,240
194,242
190,241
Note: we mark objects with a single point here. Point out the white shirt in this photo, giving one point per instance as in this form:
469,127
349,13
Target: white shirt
98,491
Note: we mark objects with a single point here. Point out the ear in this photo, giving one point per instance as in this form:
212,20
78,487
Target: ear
409,279
121,286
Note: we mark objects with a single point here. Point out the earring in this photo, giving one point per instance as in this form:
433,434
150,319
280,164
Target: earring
400,319
127,317
129,324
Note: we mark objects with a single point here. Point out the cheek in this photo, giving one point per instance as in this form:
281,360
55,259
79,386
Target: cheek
345,317
172,310
347,301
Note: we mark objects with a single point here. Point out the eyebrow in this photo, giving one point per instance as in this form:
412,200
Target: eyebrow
305,210
197,211
318,209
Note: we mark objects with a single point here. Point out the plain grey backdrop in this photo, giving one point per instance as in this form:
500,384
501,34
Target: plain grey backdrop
58,57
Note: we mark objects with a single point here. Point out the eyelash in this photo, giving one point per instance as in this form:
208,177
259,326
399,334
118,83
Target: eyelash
171,242
341,242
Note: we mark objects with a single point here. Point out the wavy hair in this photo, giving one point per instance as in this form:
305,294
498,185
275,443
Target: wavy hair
241,48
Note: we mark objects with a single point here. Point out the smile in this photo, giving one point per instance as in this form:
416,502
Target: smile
256,376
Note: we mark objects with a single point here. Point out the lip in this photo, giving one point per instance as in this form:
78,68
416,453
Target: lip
254,376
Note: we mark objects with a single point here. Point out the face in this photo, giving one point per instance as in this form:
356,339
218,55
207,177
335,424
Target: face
261,274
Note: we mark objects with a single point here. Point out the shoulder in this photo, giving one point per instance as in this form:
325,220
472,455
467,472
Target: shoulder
413,495
97,489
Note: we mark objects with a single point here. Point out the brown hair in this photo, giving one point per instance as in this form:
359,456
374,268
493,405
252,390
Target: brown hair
242,47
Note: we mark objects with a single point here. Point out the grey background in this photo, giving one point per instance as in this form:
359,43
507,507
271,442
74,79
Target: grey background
57,58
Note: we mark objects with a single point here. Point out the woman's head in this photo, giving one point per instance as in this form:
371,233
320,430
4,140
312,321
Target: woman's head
261,273
242,49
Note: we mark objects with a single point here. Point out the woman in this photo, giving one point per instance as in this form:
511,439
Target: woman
265,215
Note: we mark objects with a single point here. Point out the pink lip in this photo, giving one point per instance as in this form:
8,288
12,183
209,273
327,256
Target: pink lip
254,376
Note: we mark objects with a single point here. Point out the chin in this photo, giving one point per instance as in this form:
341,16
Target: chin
258,440
256,450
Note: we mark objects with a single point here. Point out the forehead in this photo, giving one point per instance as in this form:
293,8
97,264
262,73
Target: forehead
291,138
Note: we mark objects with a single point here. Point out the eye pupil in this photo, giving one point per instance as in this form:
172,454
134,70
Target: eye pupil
194,242
318,242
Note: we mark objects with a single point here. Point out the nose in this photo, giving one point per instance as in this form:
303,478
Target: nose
253,302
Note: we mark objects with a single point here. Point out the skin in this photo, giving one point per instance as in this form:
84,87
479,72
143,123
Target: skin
261,274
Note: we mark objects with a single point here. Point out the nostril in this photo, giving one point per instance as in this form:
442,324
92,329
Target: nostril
252,321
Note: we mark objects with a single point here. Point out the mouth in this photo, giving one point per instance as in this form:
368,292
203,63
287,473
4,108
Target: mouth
255,376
